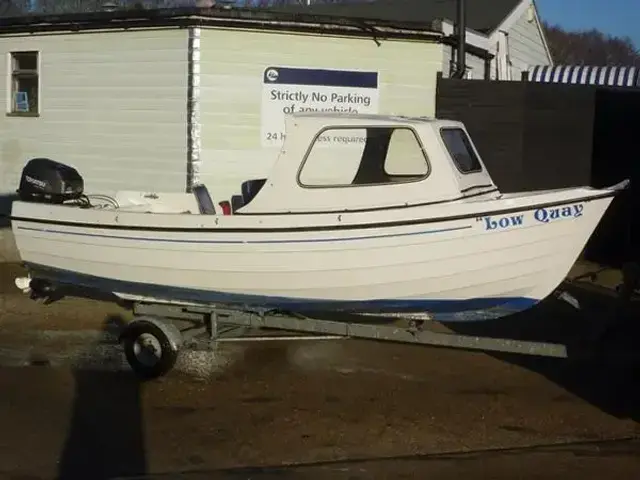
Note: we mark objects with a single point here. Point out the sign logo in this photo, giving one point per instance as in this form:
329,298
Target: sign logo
272,75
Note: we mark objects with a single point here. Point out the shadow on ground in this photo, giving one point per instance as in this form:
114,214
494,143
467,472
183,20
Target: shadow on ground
587,460
105,438
602,370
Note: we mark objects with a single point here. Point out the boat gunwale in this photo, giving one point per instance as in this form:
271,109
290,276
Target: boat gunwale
598,195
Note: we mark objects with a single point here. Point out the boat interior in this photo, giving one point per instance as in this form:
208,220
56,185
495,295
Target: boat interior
199,201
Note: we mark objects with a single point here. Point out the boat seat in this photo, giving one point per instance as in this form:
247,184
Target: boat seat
250,188
225,205
236,202
205,203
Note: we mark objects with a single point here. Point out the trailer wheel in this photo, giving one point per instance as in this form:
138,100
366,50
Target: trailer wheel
148,349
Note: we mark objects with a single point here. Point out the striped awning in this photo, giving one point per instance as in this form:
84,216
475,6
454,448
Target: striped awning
618,76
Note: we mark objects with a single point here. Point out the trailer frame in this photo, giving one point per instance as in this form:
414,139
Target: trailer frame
153,340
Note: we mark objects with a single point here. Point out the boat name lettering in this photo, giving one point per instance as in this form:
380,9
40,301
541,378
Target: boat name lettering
502,222
546,215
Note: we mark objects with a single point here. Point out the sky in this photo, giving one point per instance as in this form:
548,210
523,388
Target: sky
615,17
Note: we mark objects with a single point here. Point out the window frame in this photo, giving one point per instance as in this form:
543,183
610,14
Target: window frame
13,78
468,143
364,127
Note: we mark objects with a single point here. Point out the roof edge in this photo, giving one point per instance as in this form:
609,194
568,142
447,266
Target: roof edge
186,16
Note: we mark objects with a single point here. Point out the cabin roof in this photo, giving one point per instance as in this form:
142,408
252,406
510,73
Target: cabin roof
363,119
360,117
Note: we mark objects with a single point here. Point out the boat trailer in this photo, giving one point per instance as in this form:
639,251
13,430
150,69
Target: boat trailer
162,330
159,331
155,327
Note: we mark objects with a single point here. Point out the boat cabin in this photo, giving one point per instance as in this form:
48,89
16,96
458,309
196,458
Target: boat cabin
337,162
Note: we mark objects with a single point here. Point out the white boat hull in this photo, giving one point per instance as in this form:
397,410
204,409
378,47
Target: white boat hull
461,267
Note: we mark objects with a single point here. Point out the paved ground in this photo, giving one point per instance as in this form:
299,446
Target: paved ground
350,409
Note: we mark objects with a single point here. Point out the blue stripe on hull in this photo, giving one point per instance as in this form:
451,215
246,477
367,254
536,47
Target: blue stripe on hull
476,309
243,241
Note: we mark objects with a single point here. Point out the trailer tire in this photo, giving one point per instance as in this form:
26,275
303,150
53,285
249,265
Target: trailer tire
148,349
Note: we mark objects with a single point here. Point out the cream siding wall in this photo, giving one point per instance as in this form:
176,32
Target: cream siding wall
232,66
526,46
113,105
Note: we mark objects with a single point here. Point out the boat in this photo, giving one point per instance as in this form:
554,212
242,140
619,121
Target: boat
368,214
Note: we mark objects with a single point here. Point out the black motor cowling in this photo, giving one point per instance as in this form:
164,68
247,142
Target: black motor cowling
45,180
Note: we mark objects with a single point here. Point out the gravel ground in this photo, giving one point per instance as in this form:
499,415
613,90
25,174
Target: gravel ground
322,409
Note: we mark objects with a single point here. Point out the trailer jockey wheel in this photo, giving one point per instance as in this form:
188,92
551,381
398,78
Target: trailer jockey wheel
148,349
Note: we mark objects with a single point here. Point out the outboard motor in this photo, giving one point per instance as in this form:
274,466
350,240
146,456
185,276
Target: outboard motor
48,181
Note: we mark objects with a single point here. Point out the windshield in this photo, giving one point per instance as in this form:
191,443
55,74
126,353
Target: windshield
460,149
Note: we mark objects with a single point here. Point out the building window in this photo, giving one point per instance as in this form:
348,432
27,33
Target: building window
24,83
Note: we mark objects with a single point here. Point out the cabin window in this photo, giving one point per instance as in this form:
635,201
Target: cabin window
24,83
461,151
364,156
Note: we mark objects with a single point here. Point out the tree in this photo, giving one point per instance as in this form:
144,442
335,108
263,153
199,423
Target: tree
590,47
9,8
40,7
